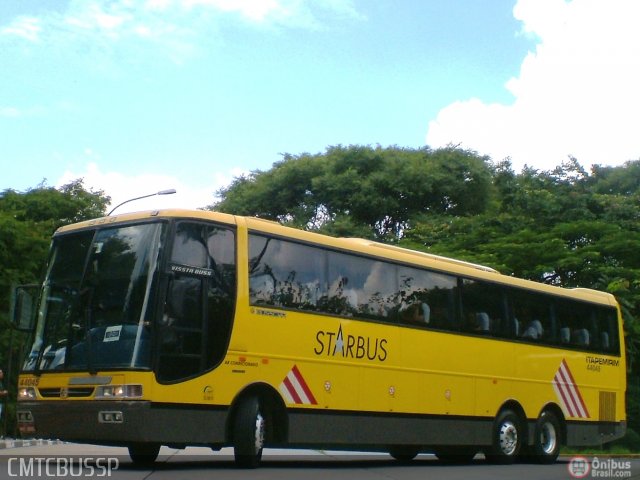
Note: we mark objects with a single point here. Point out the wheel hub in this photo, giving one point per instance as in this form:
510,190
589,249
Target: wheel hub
508,438
548,438
259,432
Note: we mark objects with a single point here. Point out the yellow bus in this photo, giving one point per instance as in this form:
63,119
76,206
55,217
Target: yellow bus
194,328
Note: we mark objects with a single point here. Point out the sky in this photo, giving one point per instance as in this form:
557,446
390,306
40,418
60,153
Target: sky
137,96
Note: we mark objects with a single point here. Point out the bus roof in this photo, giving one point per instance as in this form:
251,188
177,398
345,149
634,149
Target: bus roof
437,258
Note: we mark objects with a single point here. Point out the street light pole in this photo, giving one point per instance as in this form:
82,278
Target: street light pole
161,192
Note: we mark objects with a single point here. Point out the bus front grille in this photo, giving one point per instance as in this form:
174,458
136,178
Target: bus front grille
64,392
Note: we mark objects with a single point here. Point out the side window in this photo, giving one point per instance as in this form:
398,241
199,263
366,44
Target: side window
483,308
189,247
588,327
531,316
609,340
346,281
198,312
261,282
361,287
292,275
377,299
427,298
575,323
286,274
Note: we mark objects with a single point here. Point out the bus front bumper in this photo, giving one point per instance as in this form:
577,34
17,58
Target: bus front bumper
123,422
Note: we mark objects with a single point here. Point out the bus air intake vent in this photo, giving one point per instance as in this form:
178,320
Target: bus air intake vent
66,392
607,407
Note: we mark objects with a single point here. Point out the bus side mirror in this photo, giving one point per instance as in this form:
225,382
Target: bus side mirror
23,307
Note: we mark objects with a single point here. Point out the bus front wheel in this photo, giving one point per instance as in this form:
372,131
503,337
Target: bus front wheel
403,454
144,453
507,438
456,455
249,433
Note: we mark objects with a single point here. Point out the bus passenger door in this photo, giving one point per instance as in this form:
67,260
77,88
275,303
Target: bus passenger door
194,329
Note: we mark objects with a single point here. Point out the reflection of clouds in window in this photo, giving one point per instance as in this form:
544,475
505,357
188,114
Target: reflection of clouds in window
354,269
221,246
288,274
193,253
261,288
129,236
314,290
296,261
187,247
203,247
339,289
381,280
414,281
380,292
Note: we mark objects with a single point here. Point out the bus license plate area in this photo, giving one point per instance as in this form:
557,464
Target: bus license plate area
26,424
110,416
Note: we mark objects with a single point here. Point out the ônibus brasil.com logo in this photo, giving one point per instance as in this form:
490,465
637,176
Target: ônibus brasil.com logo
582,467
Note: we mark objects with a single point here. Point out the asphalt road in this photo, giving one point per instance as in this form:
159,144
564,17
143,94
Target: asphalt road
76,461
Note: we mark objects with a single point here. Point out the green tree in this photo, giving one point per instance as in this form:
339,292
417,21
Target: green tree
380,189
27,220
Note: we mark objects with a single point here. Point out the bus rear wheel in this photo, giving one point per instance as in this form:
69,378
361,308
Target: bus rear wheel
143,453
249,433
507,438
547,438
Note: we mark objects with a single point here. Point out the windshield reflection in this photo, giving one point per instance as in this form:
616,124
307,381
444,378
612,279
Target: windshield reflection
95,300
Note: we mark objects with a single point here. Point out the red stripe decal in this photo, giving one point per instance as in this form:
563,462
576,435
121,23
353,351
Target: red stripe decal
304,385
292,391
568,392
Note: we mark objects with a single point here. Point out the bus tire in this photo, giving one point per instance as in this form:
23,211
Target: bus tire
547,438
456,455
507,438
249,432
143,453
403,454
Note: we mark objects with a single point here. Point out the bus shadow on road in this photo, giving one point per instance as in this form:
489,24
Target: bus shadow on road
185,462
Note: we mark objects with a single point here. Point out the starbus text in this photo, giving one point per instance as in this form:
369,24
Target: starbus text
350,346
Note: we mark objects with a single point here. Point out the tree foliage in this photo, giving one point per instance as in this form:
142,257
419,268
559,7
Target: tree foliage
374,191
27,221
554,227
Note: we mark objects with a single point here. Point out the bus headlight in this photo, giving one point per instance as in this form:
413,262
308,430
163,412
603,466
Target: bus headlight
118,392
26,393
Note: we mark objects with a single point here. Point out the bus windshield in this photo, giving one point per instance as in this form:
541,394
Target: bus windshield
95,306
